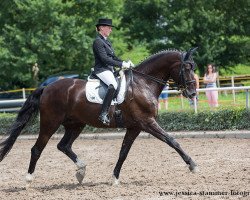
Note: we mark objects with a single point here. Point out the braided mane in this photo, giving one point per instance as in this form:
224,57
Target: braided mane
155,56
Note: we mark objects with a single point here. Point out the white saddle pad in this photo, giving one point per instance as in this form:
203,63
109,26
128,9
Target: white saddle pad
92,95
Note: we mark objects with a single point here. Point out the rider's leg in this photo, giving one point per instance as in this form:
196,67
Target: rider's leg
108,78
106,105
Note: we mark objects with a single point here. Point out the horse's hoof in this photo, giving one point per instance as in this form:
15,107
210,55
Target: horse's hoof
80,174
29,178
116,181
194,168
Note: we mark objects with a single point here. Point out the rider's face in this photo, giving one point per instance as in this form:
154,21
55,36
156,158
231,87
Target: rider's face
106,30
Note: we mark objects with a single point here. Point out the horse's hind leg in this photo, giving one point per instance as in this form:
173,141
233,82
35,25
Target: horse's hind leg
153,128
128,140
72,131
43,138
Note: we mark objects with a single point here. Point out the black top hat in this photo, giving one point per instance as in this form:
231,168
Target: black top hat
104,22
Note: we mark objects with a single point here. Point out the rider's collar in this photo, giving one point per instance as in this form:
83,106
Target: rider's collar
105,38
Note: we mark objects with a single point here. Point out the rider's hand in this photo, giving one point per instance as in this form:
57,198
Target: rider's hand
125,65
131,64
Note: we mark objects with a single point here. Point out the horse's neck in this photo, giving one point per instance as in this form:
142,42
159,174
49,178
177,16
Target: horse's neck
158,67
154,86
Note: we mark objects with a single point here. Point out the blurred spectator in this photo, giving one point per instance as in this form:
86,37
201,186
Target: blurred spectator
35,70
210,81
163,98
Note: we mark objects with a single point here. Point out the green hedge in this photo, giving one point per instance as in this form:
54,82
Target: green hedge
226,119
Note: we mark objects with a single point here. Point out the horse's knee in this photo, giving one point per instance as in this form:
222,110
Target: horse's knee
64,148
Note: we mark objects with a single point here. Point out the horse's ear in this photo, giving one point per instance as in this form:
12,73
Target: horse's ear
190,52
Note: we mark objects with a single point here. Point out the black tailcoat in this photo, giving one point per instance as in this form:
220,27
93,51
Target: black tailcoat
105,58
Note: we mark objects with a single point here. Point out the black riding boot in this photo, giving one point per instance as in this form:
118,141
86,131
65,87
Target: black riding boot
103,117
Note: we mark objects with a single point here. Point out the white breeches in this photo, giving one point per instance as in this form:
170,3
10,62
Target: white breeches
108,78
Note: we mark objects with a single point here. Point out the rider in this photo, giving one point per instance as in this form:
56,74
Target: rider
105,60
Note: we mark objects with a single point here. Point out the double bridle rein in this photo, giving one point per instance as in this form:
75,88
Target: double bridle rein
161,81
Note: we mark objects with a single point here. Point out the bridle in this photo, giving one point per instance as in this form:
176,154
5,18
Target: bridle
182,83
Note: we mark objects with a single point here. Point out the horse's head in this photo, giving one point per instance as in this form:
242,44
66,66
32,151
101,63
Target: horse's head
185,80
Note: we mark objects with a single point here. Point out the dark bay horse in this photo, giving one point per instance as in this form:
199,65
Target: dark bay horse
64,103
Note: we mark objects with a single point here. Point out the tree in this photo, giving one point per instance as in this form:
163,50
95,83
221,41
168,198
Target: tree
55,34
237,31
210,25
42,32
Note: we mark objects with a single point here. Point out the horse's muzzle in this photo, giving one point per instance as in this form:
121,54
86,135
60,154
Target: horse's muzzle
189,94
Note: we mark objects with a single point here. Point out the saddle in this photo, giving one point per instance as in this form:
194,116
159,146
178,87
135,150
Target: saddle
96,90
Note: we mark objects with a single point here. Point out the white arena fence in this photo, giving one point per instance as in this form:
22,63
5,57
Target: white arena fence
233,89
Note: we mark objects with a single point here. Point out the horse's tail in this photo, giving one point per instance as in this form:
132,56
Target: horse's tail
28,111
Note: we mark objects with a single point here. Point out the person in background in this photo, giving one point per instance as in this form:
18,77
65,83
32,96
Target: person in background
105,61
191,101
210,81
35,71
163,98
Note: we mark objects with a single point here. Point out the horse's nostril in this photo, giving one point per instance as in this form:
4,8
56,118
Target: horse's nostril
194,94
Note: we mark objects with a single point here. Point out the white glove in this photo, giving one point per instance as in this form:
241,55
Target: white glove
125,65
131,64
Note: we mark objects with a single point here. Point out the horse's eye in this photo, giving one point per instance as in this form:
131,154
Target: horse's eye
188,66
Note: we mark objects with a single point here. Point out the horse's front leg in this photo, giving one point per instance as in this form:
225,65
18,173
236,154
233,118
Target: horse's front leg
128,140
154,129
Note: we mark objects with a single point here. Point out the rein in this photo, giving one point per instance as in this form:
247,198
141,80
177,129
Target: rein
131,70
149,77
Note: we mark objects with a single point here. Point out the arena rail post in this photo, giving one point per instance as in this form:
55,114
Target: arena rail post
24,95
247,98
233,91
195,105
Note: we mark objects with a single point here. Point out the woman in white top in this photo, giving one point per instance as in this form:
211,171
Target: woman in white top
210,81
